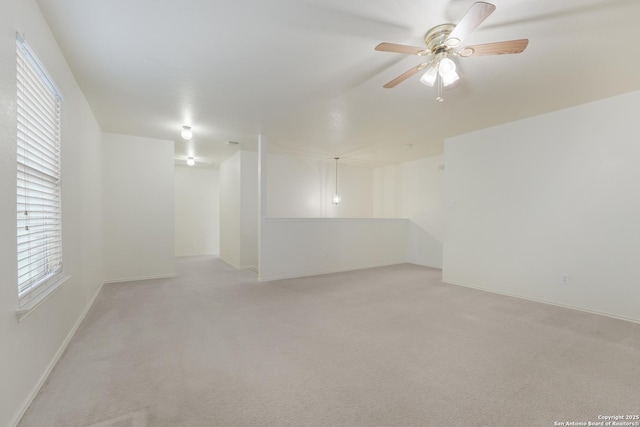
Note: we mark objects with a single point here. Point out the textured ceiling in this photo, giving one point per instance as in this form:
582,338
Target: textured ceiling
304,73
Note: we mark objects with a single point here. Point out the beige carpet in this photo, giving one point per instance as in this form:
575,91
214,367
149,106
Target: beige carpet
388,346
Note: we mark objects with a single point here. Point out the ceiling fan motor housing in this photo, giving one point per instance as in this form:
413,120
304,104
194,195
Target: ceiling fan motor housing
435,38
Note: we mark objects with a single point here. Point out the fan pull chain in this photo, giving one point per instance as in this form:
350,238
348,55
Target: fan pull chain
439,98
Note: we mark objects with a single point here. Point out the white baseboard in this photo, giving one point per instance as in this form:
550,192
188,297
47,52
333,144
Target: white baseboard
196,255
250,268
52,364
571,307
425,265
230,263
135,279
238,267
318,273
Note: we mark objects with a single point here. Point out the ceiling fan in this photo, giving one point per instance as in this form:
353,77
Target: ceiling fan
442,42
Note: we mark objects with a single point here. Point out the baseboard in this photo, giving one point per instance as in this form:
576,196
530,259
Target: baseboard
319,273
55,359
238,267
196,255
425,265
250,268
571,307
230,263
135,279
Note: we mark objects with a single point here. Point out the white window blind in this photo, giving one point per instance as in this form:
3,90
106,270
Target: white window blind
39,205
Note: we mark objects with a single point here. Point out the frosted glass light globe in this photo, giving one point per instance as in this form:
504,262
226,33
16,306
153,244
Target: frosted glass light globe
447,66
186,133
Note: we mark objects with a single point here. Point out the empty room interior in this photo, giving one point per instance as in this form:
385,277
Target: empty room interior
319,213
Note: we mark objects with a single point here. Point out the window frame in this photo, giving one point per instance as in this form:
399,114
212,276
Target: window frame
39,243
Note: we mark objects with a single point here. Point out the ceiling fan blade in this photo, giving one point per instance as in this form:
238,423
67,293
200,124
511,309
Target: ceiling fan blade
470,21
406,75
498,48
401,48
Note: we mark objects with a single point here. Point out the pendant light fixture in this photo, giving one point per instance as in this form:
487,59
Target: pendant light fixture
186,133
336,197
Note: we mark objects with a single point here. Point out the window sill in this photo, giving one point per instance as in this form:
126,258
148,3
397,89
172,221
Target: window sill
28,307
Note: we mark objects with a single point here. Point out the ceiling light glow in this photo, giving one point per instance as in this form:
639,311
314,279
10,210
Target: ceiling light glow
450,78
186,133
447,66
429,77
336,199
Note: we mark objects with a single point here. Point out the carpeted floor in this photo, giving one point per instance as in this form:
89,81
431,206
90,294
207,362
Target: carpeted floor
390,346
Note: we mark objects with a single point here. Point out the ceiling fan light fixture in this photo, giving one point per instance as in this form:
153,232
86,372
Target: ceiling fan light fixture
446,67
440,42
429,77
450,78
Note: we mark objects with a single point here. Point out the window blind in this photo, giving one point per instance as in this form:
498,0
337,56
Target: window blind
39,216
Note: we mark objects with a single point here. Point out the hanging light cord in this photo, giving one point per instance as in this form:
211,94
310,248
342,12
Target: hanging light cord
336,173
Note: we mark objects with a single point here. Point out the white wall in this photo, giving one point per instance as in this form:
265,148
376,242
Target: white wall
249,212
197,211
239,210
138,207
414,190
302,186
230,209
297,247
534,200
294,247
28,349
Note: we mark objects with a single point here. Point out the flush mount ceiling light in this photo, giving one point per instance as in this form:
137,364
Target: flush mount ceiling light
186,133
336,199
440,42
191,161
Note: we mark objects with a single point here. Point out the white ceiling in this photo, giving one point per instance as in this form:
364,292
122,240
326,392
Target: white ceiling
305,74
